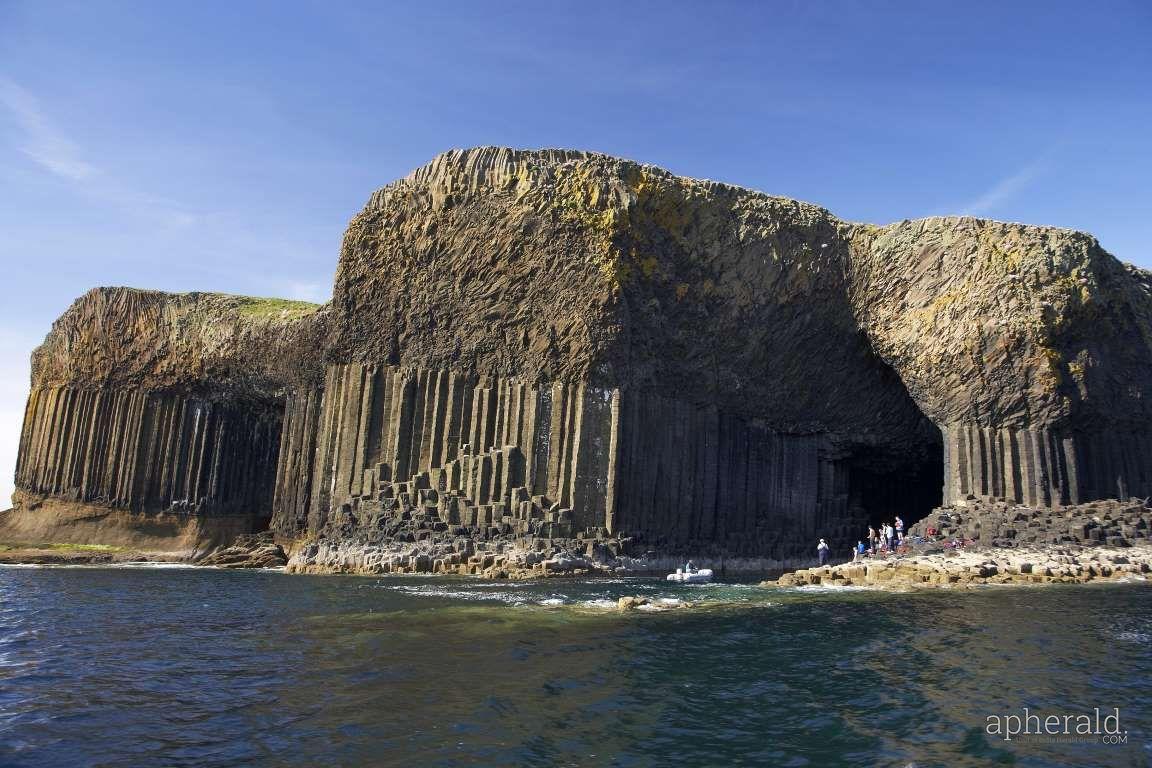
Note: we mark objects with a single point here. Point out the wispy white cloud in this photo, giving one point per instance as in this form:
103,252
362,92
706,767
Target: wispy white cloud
50,148
43,142
1005,189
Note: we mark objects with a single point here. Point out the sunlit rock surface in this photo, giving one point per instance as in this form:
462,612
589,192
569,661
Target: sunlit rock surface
564,347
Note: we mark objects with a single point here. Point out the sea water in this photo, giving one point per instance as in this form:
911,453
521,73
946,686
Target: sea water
203,667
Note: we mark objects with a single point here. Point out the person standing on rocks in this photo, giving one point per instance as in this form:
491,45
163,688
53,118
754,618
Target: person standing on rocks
822,552
899,528
873,539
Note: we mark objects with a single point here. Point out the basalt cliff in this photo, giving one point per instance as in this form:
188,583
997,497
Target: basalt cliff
526,348
154,419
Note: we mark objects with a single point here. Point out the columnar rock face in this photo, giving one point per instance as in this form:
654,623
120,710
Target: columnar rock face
570,266
490,446
553,461
1029,347
549,344
154,419
146,450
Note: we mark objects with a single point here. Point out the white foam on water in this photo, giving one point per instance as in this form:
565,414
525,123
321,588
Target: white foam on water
430,590
1141,638
158,566
56,565
834,588
496,585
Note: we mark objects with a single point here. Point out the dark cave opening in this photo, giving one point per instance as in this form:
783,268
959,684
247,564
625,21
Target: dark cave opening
912,491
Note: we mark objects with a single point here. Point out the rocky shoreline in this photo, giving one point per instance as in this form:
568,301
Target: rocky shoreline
512,558
1073,564
49,554
247,551
974,543
971,543
963,568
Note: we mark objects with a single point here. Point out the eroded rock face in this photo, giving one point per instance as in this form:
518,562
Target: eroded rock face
558,344
1004,324
248,551
1029,347
562,266
212,344
154,419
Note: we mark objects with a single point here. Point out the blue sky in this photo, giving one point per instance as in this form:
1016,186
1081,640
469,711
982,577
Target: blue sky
224,146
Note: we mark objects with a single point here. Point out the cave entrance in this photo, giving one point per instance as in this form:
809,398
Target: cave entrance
911,490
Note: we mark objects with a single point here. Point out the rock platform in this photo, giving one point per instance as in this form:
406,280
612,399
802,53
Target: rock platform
994,542
969,568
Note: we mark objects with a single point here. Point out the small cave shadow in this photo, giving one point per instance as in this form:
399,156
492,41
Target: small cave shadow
911,491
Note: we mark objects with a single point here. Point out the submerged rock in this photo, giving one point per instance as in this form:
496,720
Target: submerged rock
630,603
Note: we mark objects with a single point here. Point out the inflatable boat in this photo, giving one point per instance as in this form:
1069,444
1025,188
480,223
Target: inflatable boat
695,576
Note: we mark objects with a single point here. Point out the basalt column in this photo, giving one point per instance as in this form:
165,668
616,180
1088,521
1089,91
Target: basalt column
493,443
293,489
165,465
1044,467
154,419
692,478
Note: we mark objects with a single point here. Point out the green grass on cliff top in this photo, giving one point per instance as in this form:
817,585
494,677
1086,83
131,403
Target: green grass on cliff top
261,307
15,546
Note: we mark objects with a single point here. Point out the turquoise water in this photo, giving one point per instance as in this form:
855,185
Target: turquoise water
199,667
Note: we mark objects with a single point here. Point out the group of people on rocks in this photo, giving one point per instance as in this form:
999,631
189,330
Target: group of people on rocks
889,537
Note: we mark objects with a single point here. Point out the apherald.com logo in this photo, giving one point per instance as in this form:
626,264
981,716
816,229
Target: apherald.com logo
1095,726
